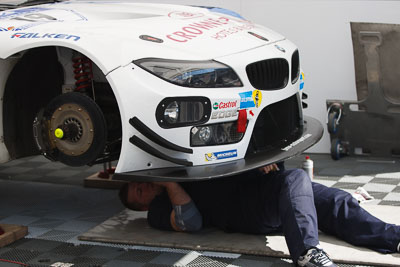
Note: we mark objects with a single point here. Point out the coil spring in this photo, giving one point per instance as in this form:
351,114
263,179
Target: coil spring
83,73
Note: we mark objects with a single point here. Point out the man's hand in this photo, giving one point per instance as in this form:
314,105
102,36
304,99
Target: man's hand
269,168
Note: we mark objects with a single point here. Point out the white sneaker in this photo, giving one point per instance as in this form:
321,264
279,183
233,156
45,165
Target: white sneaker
315,257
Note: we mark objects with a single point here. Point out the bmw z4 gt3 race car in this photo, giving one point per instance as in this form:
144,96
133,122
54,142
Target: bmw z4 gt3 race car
171,92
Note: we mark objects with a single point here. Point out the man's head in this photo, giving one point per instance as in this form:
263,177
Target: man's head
138,196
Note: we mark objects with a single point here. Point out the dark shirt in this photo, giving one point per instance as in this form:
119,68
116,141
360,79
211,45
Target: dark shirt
234,204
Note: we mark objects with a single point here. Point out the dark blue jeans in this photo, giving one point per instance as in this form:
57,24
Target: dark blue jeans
305,207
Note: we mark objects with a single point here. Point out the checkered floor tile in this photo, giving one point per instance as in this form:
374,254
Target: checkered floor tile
49,198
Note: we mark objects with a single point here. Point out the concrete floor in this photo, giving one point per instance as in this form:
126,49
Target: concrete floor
49,198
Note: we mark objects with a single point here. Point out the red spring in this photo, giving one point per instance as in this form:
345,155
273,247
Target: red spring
83,73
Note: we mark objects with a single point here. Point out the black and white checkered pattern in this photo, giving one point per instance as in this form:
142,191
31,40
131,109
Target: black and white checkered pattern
50,200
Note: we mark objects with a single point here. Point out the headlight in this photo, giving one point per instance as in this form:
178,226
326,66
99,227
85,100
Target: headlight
215,134
197,74
175,112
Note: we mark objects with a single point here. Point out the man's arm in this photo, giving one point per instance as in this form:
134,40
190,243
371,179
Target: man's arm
184,216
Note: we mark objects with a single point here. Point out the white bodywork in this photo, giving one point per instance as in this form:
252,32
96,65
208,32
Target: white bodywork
108,33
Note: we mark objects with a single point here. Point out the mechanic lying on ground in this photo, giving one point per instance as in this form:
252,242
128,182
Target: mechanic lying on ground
264,201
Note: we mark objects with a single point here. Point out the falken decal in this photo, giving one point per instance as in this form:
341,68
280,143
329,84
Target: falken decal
250,99
221,155
33,35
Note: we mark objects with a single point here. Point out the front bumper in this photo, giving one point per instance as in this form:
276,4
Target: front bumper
312,133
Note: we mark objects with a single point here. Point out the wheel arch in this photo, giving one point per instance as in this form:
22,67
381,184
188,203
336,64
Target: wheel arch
20,103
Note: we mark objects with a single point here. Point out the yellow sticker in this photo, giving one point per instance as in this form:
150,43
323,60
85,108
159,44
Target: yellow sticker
59,133
257,97
210,157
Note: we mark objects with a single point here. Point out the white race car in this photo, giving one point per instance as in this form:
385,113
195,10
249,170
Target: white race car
171,92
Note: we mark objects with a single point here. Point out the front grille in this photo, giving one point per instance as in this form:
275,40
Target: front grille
270,74
277,125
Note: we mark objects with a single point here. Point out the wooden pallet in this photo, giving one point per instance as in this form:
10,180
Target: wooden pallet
12,233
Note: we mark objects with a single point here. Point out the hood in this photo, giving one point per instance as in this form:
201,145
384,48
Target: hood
141,30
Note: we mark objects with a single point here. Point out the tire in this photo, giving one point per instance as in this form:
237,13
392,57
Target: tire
336,148
332,122
84,125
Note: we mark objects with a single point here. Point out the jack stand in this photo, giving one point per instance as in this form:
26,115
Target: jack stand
103,179
107,172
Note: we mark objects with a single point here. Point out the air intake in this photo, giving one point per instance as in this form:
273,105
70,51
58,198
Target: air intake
295,66
270,74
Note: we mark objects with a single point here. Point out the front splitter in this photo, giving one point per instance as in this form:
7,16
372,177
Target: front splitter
312,133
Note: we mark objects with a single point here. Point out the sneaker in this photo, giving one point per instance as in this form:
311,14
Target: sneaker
315,258
398,247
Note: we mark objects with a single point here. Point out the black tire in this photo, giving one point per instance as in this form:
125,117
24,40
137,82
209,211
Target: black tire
97,132
336,149
332,122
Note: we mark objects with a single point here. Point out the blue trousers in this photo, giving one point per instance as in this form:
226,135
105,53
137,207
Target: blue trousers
304,207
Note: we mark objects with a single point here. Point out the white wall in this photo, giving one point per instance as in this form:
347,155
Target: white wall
321,30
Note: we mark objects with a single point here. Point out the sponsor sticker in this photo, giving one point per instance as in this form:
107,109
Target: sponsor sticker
257,97
298,141
34,16
223,105
301,81
221,114
221,155
250,99
33,35
184,15
219,28
246,100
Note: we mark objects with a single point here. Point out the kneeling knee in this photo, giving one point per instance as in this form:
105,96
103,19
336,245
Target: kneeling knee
297,179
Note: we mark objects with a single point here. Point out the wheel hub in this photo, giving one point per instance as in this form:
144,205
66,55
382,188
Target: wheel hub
77,128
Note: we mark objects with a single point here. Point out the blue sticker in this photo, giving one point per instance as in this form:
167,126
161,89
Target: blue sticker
301,81
221,155
246,100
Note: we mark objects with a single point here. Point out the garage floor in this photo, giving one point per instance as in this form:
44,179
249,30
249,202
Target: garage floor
49,198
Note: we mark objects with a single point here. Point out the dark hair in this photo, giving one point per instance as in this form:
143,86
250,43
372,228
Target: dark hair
123,196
